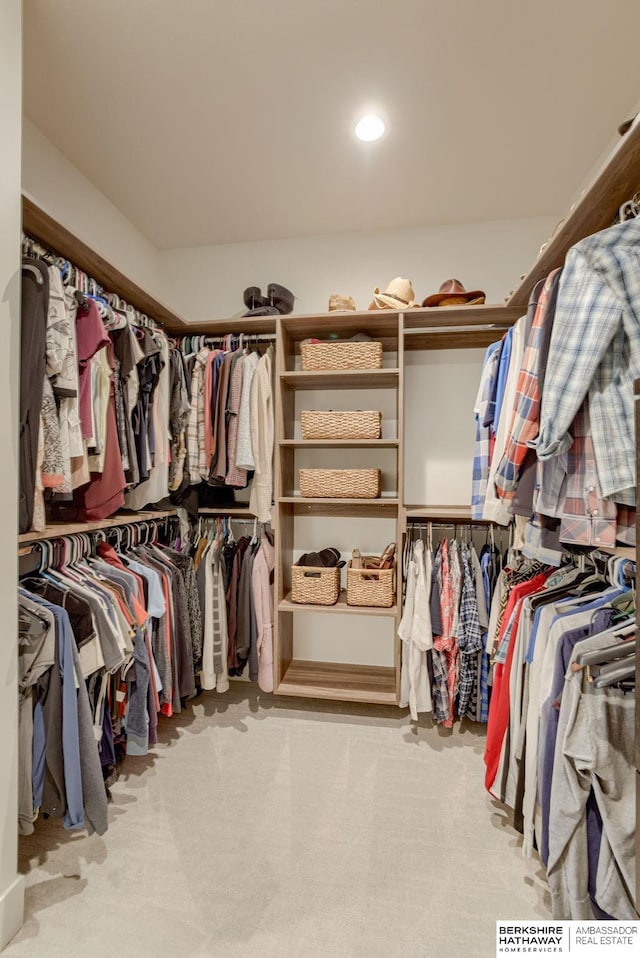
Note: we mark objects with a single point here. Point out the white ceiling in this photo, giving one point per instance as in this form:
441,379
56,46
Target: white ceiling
219,122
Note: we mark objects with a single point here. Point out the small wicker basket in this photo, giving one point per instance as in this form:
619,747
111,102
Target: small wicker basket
340,483
370,587
341,354
330,424
315,585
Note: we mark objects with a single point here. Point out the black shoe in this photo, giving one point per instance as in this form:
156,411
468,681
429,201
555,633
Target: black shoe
281,297
253,298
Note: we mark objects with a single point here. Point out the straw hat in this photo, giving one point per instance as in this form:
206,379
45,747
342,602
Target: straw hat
341,304
398,295
453,293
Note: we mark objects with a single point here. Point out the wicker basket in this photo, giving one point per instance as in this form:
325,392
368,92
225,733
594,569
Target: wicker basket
341,354
359,424
315,585
340,483
370,587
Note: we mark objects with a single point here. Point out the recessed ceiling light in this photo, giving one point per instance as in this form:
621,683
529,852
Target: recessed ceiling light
370,128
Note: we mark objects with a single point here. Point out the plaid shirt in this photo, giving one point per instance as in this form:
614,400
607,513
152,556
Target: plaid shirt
586,518
195,425
469,640
483,450
524,425
595,350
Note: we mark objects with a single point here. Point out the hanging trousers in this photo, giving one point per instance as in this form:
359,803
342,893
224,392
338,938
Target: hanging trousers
35,303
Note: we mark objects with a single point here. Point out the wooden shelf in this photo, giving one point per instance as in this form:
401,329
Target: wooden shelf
56,237
382,323
616,181
340,607
625,552
473,338
338,379
372,684
339,443
234,324
370,508
441,317
459,513
70,528
227,511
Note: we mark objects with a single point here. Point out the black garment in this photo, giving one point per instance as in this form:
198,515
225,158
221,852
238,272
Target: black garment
149,374
35,306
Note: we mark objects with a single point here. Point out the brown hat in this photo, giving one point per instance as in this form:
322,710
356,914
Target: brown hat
398,295
453,293
341,304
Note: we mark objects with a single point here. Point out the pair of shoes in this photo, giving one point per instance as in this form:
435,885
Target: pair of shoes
385,561
326,558
278,301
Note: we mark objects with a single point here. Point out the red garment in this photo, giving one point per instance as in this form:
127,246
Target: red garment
104,494
500,696
91,337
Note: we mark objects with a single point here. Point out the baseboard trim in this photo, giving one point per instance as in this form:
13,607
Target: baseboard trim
11,911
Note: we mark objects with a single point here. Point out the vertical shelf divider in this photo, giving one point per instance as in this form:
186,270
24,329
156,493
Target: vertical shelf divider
283,468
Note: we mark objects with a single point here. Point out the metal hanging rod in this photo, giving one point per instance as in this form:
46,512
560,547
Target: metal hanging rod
85,283
241,337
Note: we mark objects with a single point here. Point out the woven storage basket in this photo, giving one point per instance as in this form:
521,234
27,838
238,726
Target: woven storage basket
359,424
341,355
371,587
340,483
315,585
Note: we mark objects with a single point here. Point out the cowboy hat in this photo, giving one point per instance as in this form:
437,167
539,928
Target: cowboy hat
398,295
341,304
453,293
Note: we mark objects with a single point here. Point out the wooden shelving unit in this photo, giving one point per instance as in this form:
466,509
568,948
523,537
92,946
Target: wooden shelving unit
331,680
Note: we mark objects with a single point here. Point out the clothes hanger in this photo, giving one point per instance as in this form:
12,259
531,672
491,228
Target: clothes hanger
616,672
30,268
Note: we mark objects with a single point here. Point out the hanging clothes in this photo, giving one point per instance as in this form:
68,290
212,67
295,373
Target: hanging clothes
416,635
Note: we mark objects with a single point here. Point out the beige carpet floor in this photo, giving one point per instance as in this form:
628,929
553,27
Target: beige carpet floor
264,827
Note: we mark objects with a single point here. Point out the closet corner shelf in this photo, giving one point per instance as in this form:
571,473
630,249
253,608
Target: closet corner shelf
339,443
57,529
340,607
616,181
233,511
440,317
624,552
371,684
338,378
459,513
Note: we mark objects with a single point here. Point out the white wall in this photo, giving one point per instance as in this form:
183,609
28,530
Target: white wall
11,884
59,188
208,282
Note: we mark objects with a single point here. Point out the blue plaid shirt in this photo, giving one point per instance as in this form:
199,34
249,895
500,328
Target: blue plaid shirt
481,459
595,351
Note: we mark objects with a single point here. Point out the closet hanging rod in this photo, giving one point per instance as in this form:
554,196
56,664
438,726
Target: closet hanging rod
244,337
33,247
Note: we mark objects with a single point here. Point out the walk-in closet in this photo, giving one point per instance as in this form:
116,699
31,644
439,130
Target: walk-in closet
320,380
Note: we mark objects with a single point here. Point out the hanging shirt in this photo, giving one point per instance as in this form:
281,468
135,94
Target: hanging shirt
91,336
